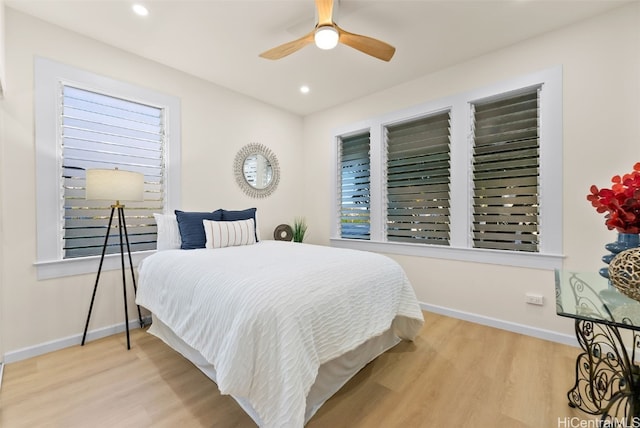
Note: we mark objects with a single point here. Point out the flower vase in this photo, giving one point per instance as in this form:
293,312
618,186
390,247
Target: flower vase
625,241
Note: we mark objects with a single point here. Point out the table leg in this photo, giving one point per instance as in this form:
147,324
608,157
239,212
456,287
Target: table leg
607,381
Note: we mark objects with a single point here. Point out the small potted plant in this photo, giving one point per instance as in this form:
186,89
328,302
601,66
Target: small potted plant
299,229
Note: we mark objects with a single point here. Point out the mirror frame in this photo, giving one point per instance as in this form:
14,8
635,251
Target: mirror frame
238,169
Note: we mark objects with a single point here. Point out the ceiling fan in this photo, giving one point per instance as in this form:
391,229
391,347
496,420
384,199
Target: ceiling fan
327,35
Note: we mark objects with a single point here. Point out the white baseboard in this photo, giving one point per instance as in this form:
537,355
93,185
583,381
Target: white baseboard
55,345
527,330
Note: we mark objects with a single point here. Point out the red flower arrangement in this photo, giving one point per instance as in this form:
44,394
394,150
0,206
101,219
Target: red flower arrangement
621,202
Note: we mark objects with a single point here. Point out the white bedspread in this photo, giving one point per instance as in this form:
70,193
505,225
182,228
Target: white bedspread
268,315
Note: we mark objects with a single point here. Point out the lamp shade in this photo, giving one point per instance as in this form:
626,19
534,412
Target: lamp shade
114,185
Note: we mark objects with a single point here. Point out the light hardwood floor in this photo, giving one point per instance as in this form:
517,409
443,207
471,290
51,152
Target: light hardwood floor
455,374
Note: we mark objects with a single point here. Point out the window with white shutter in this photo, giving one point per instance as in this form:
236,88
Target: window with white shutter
418,160
355,186
84,121
101,131
506,170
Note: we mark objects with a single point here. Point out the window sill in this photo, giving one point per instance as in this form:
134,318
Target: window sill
507,258
84,265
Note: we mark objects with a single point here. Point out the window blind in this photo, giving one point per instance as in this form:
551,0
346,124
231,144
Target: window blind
355,186
101,131
418,162
506,165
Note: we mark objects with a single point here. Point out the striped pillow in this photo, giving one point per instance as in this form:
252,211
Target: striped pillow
229,233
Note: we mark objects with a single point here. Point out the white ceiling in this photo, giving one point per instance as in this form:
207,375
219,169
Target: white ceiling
219,41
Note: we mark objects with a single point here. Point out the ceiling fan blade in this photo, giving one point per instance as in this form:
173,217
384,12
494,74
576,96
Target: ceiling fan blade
368,45
325,12
288,48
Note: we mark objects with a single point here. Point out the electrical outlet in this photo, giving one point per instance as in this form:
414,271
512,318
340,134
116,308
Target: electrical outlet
534,299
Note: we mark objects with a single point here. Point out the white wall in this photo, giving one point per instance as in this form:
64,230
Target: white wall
601,66
216,123
3,82
2,206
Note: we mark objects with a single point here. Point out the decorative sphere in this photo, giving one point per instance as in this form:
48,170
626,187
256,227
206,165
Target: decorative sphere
624,272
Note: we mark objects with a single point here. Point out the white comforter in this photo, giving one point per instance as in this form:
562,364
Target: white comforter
268,315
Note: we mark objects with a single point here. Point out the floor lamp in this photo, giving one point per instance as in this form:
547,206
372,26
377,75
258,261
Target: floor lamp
115,185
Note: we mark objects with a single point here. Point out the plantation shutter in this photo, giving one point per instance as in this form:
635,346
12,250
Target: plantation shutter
355,186
101,131
506,165
418,162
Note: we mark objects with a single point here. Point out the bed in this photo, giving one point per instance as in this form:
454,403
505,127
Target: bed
280,326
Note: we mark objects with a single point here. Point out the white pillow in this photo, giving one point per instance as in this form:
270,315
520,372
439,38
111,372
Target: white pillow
229,233
168,232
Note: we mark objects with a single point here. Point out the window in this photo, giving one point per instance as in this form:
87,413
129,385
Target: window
505,172
418,161
476,176
101,131
354,186
86,121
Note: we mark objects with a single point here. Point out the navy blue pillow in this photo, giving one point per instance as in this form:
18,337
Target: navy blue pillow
242,215
191,228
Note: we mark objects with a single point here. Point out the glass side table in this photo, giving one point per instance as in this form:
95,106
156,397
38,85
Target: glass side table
607,325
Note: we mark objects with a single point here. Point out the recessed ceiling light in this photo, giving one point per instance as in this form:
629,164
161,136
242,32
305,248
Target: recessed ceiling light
140,10
304,89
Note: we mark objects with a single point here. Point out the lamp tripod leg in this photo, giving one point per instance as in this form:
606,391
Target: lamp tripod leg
124,280
133,275
95,287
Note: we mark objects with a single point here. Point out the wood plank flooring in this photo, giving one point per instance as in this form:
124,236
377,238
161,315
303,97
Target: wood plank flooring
455,374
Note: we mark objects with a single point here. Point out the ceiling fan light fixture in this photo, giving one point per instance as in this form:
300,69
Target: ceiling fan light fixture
326,37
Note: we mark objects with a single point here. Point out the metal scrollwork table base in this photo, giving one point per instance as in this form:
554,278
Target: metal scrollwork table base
607,326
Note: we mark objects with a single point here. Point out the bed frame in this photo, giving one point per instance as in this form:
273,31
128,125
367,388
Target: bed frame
332,375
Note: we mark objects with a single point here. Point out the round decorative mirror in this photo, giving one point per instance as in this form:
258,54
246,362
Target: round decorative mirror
257,171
